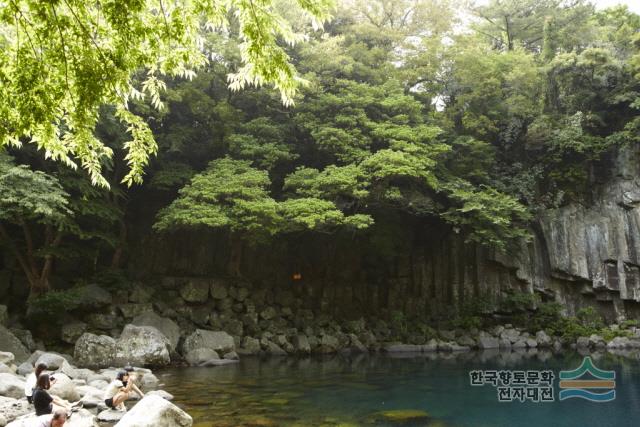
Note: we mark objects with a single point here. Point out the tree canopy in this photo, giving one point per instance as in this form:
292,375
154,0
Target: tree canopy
60,61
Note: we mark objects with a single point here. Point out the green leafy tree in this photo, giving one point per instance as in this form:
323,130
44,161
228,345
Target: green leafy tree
61,61
35,204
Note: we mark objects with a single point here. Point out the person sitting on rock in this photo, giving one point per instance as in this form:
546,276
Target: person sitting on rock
43,402
119,391
58,419
32,381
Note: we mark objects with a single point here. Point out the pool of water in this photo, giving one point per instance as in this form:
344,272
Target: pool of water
358,390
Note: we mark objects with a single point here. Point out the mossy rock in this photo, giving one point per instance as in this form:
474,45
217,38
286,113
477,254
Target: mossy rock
403,416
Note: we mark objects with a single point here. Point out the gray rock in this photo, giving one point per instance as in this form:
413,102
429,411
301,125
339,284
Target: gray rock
142,346
64,388
543,339
619,342
81,418
531,343
7,357
218,289
504,344
328,344
95,351
6,369
163,394
25,369
110,416
301,344
250,345
521,343
10,409
486,342
149,381
53,360
92,397
10,343
141,294
11,386
70,332
103,321
232,355
195,290
582,342
167,327
154,411
75,373
402,348
466,341
272,348
199,356
219,341
25,338
131,310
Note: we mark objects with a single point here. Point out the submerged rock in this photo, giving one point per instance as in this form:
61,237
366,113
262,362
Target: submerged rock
403,416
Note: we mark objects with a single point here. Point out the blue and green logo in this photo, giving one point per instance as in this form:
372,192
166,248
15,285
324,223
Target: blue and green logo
587,377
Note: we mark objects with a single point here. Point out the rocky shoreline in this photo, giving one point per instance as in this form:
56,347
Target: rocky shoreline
208,322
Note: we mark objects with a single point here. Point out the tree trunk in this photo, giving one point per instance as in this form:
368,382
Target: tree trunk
116,259
235,256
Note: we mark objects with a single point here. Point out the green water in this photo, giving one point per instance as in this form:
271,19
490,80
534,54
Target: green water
357,390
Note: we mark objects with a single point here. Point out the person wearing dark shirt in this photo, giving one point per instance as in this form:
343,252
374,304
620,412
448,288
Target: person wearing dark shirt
43,402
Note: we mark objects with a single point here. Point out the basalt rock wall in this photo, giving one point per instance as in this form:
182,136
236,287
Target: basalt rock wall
580,254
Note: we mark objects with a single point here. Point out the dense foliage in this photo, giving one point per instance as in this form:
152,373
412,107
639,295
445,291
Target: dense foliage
60,61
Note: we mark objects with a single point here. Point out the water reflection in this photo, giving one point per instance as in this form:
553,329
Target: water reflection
387,390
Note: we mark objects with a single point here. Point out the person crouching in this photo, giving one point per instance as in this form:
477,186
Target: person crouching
119,391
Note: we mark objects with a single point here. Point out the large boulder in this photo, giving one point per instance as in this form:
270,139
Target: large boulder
154,411
53,361
95,351
9,342
219,341
11,386
142,346
64,388
167,327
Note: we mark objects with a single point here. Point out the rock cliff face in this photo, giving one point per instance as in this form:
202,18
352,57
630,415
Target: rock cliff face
579,255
